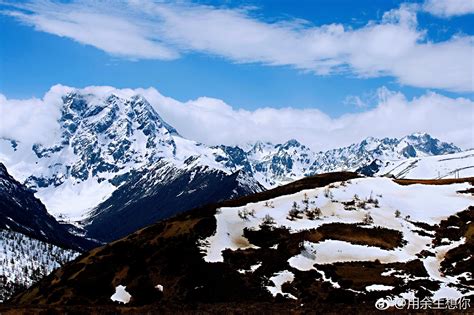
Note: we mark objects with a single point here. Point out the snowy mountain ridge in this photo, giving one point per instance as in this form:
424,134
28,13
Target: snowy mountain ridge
105,138
276,164
102,140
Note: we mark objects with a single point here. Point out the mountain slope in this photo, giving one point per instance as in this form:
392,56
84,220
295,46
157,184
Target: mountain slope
446,166
25,260
32,242
248,251
162,192
167,251
21,212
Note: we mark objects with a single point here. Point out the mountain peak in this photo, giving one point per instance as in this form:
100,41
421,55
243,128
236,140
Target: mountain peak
104,110
423,144
3,170
419,135
292,143
102,135
260,146
143,108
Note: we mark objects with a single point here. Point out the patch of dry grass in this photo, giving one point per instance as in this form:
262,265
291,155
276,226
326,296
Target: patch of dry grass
443,181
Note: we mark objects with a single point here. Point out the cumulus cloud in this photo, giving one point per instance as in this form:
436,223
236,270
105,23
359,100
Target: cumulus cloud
212,121
393,46
449,8
31,120
215,122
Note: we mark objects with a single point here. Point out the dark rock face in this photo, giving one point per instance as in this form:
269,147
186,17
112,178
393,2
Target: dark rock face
425,143
233,158
21,212
162,192
371,169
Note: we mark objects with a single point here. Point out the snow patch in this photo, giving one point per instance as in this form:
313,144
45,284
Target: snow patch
379,287
278,280
121,295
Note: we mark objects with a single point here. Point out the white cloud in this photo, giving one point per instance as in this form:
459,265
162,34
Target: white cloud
356,101
96,26
449,8
212,121
394,46
31,120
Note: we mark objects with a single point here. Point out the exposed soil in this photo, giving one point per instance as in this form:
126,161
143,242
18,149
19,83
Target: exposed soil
460,259
444,181
356,234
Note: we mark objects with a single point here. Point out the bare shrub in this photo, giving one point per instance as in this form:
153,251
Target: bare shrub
267,222
314,213
269,204
245,214
305,202
295,212
328,193
368,219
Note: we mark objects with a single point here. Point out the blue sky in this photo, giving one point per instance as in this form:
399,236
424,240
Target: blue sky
32,60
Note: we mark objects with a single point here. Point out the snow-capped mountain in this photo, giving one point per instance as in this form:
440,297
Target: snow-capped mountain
101,138
276,164
104,141
117,167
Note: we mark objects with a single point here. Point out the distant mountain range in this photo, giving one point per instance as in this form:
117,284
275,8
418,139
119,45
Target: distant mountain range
118,166
276,164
